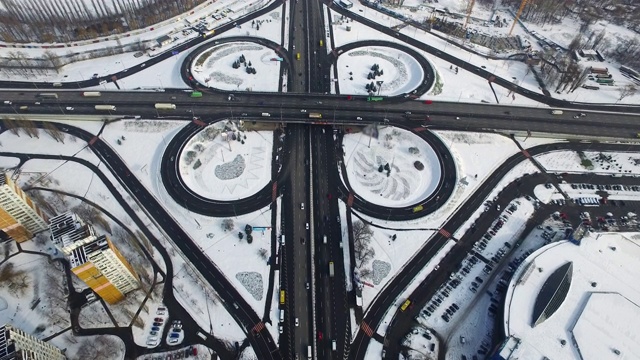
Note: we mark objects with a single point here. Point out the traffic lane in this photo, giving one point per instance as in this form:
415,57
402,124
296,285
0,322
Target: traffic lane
292,100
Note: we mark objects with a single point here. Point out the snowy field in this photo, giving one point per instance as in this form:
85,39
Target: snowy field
415,169
214,69
220,244
474,88
591,161
215,166
401,72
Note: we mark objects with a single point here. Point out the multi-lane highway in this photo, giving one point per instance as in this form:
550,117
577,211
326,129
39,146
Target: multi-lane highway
316,303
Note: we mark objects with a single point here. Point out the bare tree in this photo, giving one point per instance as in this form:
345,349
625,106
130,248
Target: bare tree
627,90
362,236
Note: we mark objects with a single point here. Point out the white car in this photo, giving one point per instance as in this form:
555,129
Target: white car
301,206
303,111
358,118
69,108
297,322
306,226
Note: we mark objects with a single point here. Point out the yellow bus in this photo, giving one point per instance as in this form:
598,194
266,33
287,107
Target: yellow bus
418,208
315,116
297,56
281,297
405,305
321,42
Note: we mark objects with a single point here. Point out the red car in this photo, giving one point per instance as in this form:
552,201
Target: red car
319,335
329,196
428,102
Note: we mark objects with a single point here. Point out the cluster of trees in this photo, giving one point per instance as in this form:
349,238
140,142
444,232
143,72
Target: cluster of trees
371,87
72,20
30,129
247,64
362,236
375,71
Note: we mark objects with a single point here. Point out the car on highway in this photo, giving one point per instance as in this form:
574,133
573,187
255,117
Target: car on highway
306,226
358,118
297,322
301,206
69,108
303,111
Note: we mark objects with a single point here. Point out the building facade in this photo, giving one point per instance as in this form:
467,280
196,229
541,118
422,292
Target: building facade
16,344
93,258
20,218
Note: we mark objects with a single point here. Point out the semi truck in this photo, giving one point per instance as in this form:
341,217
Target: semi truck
165,106
556,112
106,107
331,269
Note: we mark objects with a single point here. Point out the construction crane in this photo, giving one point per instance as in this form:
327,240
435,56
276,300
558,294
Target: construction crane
469,8
522,5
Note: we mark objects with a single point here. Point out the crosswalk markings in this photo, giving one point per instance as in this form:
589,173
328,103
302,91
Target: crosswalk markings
445,233
258,327
366,328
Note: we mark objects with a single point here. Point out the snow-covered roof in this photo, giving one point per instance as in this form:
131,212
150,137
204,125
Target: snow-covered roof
598,317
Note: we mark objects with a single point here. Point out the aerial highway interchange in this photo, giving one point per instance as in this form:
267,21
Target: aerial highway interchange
318,304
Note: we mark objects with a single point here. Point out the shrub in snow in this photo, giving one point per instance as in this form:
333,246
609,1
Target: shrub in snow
197,164
380,270
231,170
248,229
252,281
249,239
227,224
418,165
414,150
240,235
189,156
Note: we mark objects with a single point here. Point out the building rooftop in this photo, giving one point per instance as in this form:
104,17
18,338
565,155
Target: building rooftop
577,302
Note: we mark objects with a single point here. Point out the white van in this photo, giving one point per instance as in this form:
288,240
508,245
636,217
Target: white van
281,315
324,239
309,352
266,114
333,345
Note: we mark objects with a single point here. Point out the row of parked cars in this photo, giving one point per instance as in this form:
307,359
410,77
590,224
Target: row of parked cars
156,329
177,354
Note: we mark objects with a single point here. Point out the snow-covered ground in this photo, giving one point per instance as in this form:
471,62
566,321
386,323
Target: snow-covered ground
415,169
215,166
223,247
213,67
622,163
106,64
196,296
401,72
473,88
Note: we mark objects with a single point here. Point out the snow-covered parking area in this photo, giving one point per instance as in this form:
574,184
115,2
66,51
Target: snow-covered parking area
214,67
414,167
401,73
224,162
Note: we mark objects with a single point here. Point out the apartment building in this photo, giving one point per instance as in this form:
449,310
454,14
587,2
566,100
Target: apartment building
20,218
93,258
18,345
